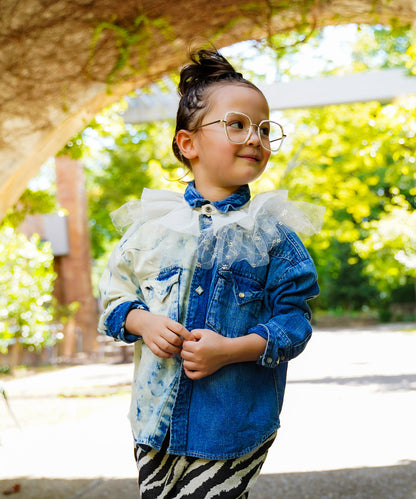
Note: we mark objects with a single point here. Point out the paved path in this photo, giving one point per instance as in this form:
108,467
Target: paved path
348,426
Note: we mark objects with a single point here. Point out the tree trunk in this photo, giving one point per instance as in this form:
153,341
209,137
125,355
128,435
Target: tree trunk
69,344
15,354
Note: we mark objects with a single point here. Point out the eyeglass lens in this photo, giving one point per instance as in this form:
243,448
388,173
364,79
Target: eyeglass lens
238,128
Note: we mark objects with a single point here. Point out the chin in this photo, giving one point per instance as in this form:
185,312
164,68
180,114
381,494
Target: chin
252,175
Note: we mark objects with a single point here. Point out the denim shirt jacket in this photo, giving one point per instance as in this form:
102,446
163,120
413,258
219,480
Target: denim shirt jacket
233,266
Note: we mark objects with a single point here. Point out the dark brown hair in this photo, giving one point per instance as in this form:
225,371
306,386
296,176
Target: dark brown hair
208,67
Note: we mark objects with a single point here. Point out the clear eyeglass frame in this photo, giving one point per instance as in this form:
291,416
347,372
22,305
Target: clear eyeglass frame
266,146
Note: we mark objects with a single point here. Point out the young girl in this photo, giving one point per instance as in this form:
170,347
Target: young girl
212,288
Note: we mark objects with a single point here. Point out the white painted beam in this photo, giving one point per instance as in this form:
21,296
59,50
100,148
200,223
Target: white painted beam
384,86
156,106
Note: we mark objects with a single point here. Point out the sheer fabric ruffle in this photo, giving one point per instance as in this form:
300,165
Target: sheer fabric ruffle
245,234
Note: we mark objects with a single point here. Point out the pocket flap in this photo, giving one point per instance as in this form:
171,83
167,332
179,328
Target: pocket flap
244,295
246,290
159,287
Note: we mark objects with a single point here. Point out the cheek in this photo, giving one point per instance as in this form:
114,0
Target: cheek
266,157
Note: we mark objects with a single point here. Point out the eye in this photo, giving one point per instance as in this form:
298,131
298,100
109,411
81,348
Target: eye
265,131
236,124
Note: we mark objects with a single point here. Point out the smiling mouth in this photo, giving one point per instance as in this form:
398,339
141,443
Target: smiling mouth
250,157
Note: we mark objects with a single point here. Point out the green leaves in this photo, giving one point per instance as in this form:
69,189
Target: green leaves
390,246
26,280
133,44
125,162
359,162
31,202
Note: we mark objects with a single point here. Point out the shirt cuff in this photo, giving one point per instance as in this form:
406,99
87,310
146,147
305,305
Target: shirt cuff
270,356
127,337
115,322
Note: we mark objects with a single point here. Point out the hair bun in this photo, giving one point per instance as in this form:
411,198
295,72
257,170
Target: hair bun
208,66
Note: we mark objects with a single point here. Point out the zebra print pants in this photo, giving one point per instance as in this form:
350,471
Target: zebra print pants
166,476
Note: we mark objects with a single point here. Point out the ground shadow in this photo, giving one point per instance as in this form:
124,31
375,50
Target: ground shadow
393,482
387,382
390,482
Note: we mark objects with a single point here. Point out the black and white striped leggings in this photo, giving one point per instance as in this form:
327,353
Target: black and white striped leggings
166,476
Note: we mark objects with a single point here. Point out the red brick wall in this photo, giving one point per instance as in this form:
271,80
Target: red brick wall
74,269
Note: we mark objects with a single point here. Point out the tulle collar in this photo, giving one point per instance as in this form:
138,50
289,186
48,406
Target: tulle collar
170,209
247,233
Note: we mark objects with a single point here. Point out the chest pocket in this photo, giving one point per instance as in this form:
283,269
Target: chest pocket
236,304
161,292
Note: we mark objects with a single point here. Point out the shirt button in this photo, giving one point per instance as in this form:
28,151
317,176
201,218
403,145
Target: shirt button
199,290
269,360
207,209
241,295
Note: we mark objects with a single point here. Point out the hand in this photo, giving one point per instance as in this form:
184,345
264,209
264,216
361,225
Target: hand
162,335
204,354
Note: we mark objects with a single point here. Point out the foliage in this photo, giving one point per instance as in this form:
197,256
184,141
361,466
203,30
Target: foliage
390,247
343,281
382,47
129,158
357,161
133,44
29,314
30,203
26,304
74,148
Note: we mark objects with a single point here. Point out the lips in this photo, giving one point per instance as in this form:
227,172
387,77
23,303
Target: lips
250,157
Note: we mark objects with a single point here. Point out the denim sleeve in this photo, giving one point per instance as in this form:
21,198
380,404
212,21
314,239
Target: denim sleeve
289,329
120,292
115,322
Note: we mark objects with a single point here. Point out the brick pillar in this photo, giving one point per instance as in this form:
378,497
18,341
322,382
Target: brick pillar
74,269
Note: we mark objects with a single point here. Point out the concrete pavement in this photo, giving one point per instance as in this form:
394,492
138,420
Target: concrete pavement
348,425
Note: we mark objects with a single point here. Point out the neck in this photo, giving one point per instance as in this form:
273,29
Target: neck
215,193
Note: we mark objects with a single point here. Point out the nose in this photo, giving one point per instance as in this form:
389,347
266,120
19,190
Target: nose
253,136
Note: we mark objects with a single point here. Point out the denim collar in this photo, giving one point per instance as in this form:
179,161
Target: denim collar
237,199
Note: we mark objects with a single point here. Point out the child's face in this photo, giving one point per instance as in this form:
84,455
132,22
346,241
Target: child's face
218,163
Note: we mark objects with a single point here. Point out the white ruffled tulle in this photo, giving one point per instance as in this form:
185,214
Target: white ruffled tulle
244,234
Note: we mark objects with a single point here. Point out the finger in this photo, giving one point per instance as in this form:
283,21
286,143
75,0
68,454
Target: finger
194,374
174,326
177,328
188,356
167,347
197,333
189,346
190,365
159,352
172,338
187,335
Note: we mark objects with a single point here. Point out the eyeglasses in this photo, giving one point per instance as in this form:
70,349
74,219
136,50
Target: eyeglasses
237,128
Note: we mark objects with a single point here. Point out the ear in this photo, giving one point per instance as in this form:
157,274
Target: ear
185,141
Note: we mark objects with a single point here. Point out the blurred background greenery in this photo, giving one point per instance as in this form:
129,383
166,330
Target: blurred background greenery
357,160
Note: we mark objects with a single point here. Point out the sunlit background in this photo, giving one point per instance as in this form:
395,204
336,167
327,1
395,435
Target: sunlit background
357,160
